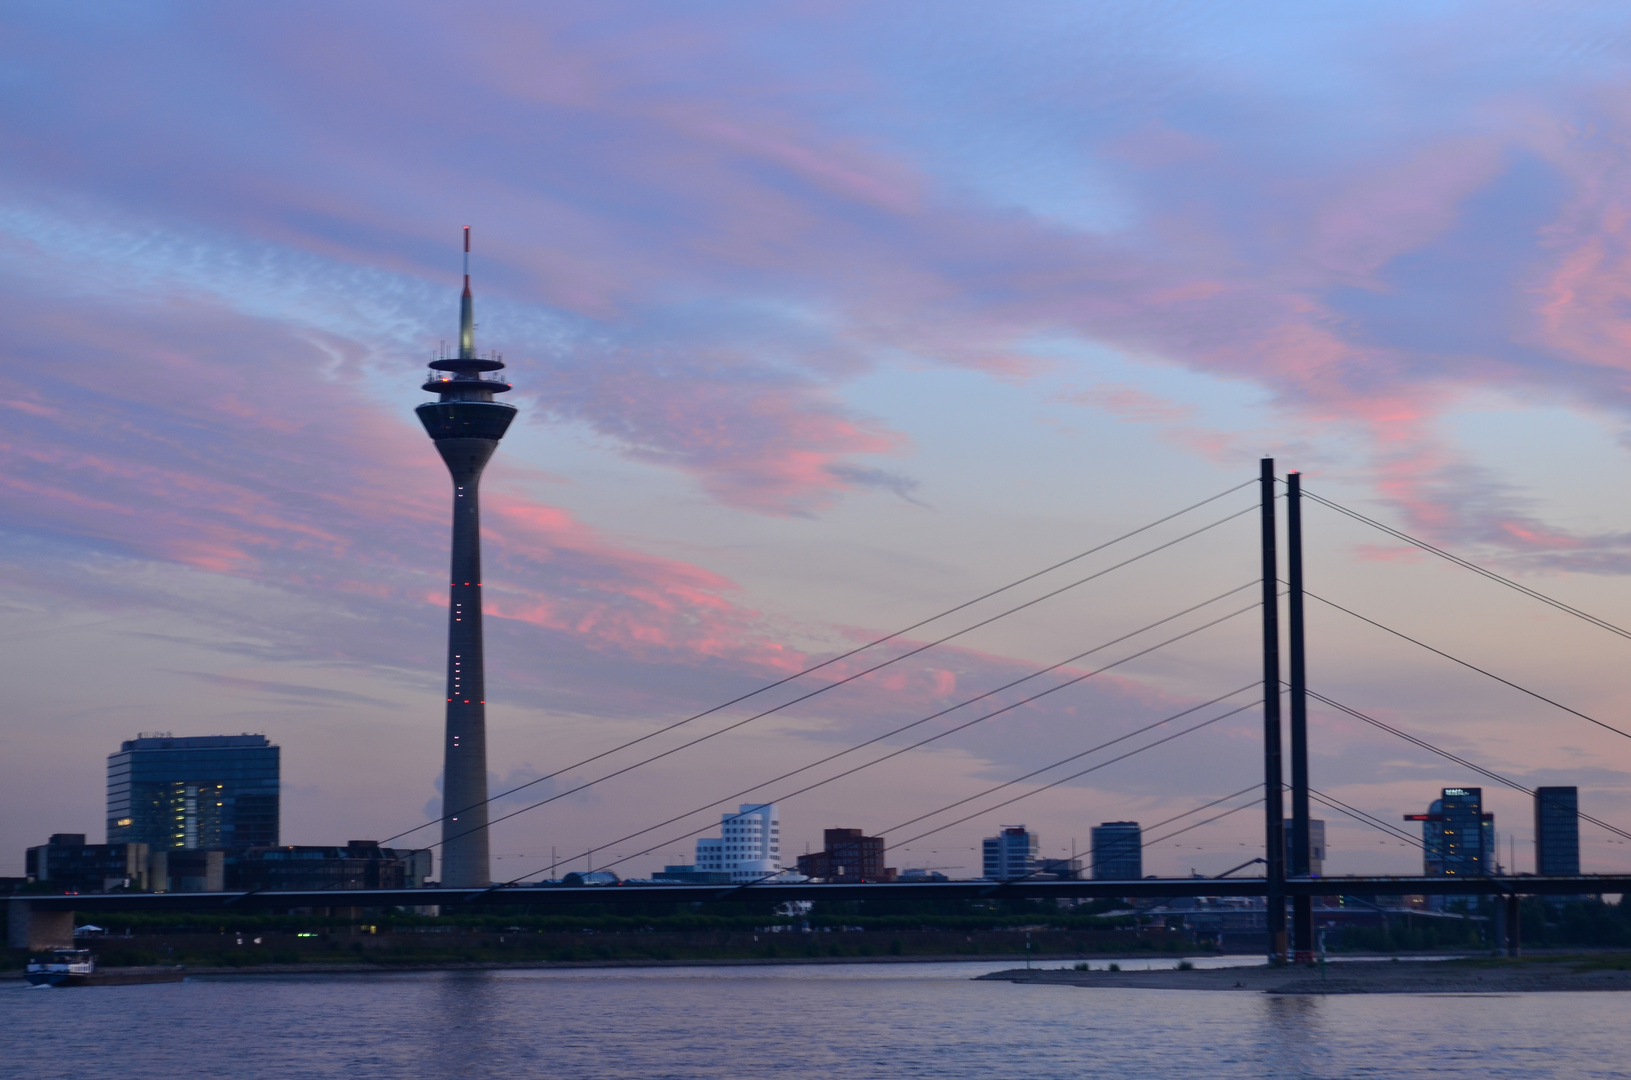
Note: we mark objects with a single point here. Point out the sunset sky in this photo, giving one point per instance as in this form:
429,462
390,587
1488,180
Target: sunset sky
822,318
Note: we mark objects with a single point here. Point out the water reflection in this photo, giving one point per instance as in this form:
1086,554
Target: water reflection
839,1022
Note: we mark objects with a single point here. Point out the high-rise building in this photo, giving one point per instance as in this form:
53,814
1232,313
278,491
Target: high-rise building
1458,837
205,791
748,847
847,855
466,425
1118,851
1557,831
1011,854
1316,846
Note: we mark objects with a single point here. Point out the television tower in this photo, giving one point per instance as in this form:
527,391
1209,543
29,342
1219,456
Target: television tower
466,425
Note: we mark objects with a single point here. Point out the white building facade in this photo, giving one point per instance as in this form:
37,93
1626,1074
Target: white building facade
749,845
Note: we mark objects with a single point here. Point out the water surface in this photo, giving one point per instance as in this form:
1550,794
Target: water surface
838,1021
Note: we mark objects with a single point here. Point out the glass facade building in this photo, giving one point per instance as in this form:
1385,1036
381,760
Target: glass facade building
209,791
1011,855
1458,838
1557,831
1118,851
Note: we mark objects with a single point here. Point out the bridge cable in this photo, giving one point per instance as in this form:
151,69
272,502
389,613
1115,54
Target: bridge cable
1064,761
1063,780
852,652
862,648
898,752
1208,821
830,686
1466,664
1469,565
1028,794
1479,769
1364,817
1093,864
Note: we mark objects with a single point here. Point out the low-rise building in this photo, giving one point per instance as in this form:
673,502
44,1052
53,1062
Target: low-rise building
847,855
72,865
360,864
690,875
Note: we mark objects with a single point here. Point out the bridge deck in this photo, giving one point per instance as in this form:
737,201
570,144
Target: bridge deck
563,896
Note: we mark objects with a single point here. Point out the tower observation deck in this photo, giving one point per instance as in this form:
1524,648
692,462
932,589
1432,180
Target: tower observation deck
466,424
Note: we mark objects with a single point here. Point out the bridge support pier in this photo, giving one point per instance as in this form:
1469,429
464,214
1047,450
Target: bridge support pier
1273,785
1299,862
1514,925
29,928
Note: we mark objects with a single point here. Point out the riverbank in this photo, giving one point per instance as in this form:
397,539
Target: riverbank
549,965
1468,976
404,948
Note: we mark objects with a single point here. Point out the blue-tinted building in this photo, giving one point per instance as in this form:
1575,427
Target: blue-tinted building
209,791
1118,851
1458,838
1011,854
1557,831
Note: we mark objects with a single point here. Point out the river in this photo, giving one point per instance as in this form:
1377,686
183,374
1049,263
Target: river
828,1021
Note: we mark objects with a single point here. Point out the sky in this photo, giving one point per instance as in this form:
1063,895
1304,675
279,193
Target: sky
823,319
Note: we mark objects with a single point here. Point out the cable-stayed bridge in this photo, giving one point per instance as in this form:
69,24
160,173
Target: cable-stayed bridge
1285,884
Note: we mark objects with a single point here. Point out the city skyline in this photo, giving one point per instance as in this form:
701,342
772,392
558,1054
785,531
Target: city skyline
812,342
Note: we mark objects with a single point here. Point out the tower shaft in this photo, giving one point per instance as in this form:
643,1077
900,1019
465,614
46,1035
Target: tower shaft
465,853
466,425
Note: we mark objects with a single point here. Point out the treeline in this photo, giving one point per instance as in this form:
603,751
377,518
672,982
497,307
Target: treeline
899,916
1545,923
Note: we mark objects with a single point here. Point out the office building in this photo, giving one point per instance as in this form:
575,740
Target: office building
360,864
1316,846
466,424
847,855
690,875
1557,831
1432,838
69,864
1011,854
1458,837
748,847
198,792
1117,851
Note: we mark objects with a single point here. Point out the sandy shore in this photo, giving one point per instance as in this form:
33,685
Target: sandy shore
1363,977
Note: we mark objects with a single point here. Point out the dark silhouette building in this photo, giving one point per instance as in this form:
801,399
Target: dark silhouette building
1118,851
848,855
1557,831
360,864
1316,846
466,425
69,864
207,791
